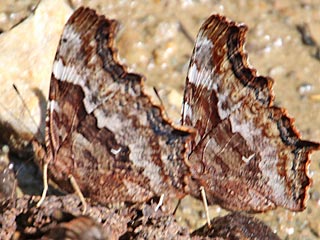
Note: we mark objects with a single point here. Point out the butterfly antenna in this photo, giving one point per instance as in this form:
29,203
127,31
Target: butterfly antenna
11,114
28,110
176,208
160,100
78,192
37,136
205,203
186,33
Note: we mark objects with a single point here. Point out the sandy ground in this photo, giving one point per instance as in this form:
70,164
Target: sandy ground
155,39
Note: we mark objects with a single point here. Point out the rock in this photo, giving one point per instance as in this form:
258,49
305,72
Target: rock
27,53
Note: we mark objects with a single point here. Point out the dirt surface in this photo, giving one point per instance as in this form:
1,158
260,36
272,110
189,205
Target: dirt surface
155,39
60,217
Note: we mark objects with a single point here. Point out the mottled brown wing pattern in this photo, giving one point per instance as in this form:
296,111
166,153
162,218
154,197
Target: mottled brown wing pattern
247,154
102,128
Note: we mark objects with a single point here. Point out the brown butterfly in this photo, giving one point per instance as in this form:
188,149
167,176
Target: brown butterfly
247,154
104,131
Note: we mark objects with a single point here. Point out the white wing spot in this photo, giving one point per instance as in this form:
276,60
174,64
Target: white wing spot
248,159
115,151
202,78
200,71
66,73
187,111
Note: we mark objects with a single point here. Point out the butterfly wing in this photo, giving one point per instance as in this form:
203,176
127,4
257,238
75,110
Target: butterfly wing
102,128
247,154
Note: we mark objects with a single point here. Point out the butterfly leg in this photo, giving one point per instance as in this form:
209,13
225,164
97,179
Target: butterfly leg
205,203
79,193
45,183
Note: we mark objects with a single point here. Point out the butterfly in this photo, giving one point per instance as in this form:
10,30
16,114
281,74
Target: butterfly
247,154
105,132
102,130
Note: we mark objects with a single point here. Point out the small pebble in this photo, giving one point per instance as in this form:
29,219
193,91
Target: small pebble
305,88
